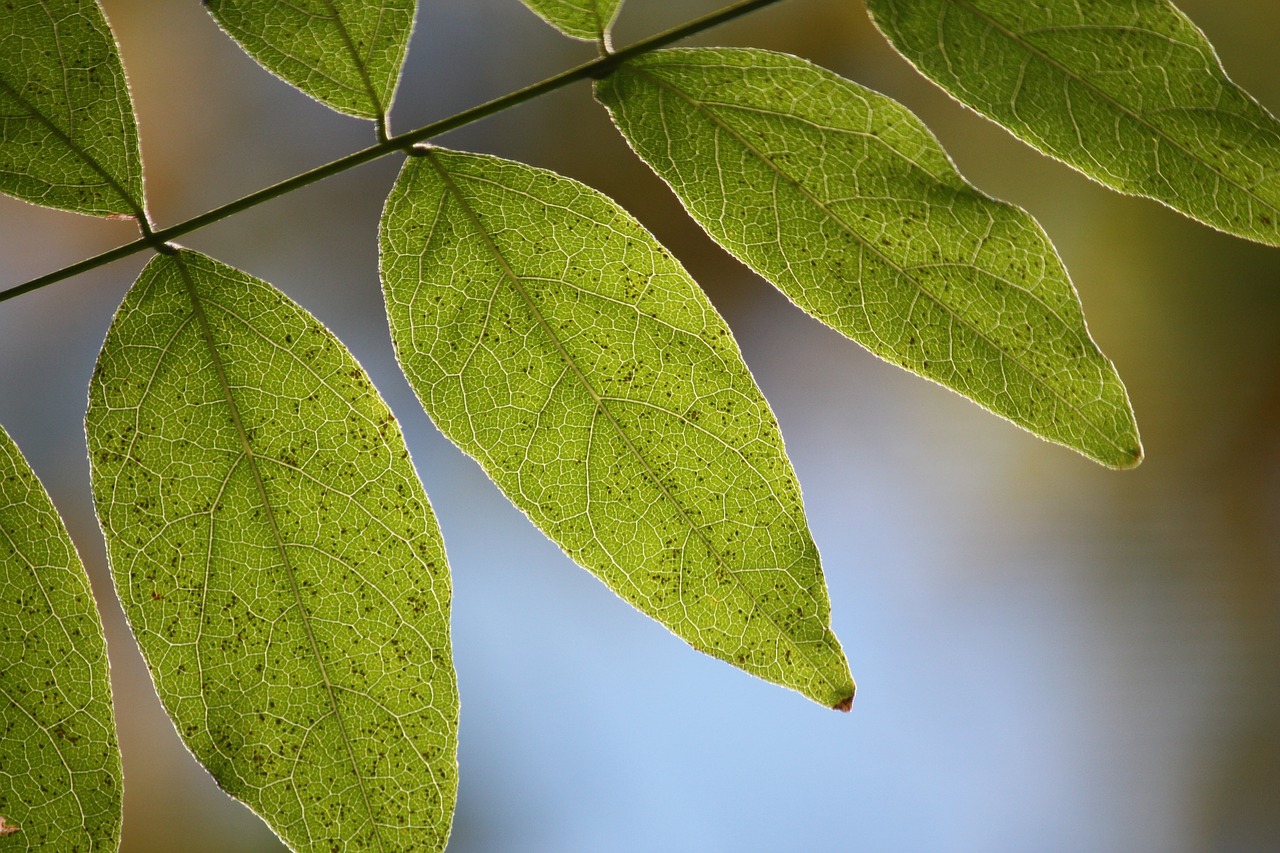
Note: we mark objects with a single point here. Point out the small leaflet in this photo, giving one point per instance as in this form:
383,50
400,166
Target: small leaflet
68,136
1130,94
589,20
347,54
277,558
553,339
60,774
844,201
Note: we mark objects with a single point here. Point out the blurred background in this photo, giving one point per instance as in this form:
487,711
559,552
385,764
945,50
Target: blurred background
1050,656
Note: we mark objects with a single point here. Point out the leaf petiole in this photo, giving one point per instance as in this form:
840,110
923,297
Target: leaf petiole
595,69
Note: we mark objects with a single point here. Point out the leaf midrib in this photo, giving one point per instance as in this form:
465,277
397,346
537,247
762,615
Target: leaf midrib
269,511
1049,59
380,113
903,271
599,400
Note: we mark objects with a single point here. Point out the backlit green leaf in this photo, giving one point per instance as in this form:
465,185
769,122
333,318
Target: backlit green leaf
1130,93
584,19
344,53
68,138
846,202
60,766
277,559
550,336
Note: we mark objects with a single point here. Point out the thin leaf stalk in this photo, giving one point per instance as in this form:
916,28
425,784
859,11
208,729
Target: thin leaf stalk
156,239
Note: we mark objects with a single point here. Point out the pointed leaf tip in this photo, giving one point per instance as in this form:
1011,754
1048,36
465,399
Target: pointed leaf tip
552,338
1134,458
845,705
846,202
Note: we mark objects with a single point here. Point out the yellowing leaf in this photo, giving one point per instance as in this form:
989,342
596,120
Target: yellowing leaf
1129,93
60,786
548,335
277,558
845,201
68,138
344,53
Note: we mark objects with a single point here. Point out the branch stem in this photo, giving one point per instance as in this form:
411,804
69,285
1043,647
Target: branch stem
594,69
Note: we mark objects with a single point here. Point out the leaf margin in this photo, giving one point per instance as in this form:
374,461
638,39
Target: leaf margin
271,56
841,686
120,195
1128,448
89,645
1262,228
227,774
571,24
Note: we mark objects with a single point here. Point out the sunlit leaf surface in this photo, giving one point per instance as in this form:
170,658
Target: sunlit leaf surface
59,762
550,336
584,19
845,201
68,138
277,559
344,53
1129,92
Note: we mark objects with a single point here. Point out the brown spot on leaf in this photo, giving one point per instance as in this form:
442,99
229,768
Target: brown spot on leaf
7,828
845,704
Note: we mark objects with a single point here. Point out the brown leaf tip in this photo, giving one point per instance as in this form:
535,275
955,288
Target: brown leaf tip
7,828
845,704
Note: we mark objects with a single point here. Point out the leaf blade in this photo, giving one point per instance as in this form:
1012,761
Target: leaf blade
589,20
551,338
1131,95
846,203
277,559
347,54
68,136
61,786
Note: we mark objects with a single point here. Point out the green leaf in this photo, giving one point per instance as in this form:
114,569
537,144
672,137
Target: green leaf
277,559
60,785
344,53
582,19
68,138
846,202
1131,94
549,336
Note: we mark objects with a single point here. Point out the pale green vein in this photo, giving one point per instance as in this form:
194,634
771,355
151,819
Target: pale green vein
49,124
60,778
269,512
599,404
379,109
53,742
868,245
